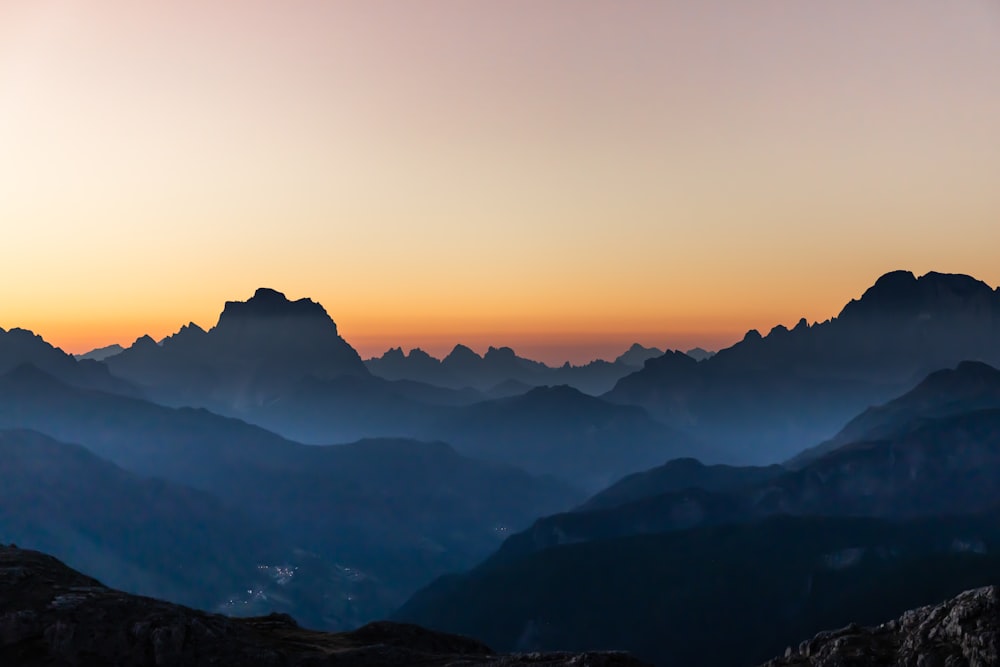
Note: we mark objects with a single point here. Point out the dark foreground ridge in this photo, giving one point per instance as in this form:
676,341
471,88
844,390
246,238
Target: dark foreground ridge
52,615
962,631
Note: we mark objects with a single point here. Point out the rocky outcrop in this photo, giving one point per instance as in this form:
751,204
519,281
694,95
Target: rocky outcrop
964,631
53,615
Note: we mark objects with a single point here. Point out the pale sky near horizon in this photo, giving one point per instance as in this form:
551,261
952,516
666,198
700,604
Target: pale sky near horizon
561,176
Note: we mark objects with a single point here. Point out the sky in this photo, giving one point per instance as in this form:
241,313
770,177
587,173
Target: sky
561,176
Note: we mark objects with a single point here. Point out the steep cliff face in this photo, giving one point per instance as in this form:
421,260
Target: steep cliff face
52,615
962,631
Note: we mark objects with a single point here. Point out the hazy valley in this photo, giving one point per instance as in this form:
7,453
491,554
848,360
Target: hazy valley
263,466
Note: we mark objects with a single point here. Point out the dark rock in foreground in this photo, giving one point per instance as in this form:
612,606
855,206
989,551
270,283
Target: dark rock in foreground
962,631
52,615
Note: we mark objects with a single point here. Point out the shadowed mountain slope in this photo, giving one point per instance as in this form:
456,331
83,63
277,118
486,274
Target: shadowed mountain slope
20,346
715,596
52,615
763,397
144,535
501,365
563,432
397,511
254,351
679,475
938,467
969,386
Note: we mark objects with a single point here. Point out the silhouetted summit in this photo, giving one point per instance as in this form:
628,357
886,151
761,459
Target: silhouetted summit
501,369
20,346
637,355
292,331
267,302
900,293
258,349
768,396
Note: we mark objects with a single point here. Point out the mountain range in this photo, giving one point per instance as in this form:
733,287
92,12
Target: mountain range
500,369
767,397
833,472
395,511
775,552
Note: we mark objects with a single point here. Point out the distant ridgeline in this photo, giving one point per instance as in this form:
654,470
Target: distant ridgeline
724,565
834,472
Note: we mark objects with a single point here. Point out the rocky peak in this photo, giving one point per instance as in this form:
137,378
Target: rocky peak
498,354
267,303
462,355
901,293
637,355
962,631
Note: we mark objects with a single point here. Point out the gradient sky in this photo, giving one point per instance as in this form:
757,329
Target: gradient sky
562,176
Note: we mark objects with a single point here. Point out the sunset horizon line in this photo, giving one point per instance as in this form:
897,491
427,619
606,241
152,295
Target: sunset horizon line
553,346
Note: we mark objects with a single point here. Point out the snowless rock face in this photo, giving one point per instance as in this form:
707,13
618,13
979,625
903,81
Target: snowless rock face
962,632
54,616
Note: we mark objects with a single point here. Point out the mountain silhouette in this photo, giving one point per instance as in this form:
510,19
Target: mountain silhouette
258,348
679,475
100,353
970,386
637,355
699,353
764,398
563,432
144,535
398,511
20,346
930,468
501,366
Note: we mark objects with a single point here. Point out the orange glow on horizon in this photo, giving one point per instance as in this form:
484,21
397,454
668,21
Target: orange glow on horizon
564,178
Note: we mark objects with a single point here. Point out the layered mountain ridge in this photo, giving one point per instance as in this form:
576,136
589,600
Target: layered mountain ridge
764,398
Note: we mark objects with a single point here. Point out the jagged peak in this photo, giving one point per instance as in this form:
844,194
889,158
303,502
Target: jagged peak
271,305
462,352
19,332
144,341
500,353
900,290
191,327
267,302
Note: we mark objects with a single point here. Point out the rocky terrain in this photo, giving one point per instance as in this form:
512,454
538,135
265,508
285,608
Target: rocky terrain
962,631
52,615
